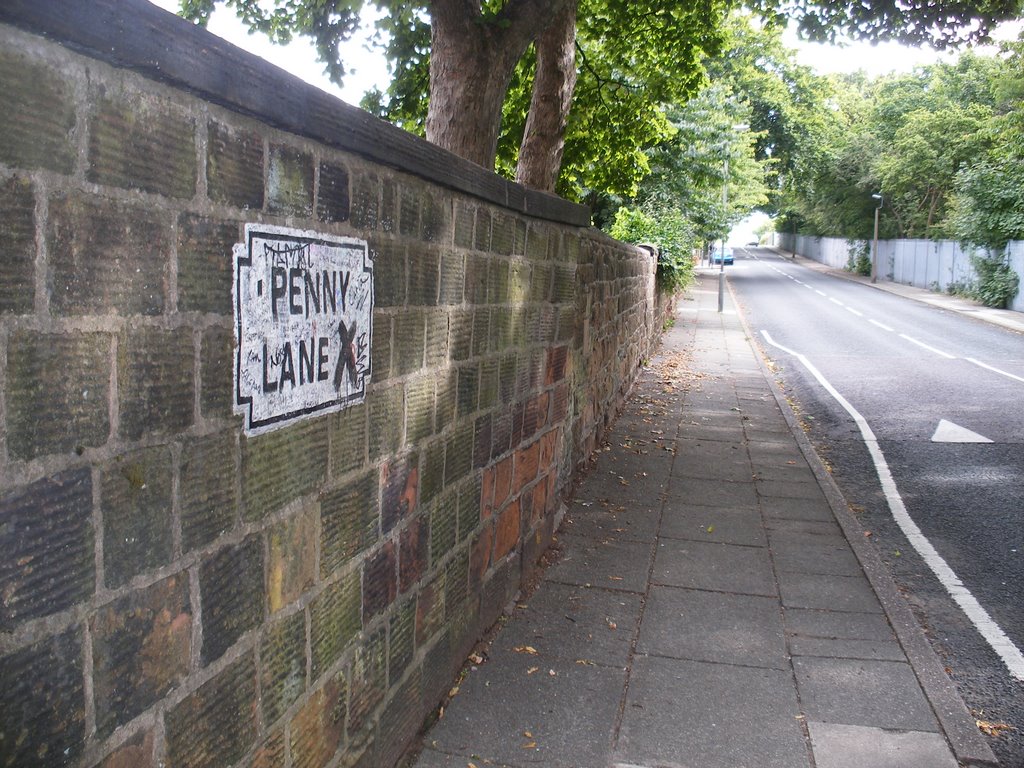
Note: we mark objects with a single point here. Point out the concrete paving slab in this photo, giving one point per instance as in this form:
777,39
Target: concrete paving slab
724,525
573,623
714,566
611,564
837,648
712,492
854,746
782,489
693,714
882,694
840,593
605,520
795,509
569,716
713,626
800,558
624,487
837,624
817,527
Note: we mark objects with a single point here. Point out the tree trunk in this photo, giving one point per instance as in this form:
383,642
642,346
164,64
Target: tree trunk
471,64
540,154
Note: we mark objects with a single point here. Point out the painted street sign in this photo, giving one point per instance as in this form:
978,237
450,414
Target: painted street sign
303,322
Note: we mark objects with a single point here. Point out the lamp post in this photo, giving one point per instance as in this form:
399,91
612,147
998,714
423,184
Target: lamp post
874,250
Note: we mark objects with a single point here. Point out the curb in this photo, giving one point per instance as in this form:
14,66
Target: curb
968,745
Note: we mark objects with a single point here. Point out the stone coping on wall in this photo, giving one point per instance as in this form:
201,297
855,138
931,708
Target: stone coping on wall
137,35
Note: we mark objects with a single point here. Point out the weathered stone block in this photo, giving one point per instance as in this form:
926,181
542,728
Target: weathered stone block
424,277
475,286
281,466
536,242
156,380
348,439
142,646
335,618
482,238
106,256
215,725
436,348
410,341
389,273
443,526
272,753
409,217
291,559
401,640
482,429
42,720
507,529
232,593
350,522
381,347
419,410
456,588
380,580
469,389
461,334
430,611
205,264
453,278
37,116
464,219
139,141
503,234
432,471
368,681
401,719
489,373
470,494
47,556
386,417
216,386
413,552
137,752
234,166
209,495
135,502
18,233
481,330
289,182
365,209
399,490
388,205
434,216
458,454
318,729
332,202
282,665
57,392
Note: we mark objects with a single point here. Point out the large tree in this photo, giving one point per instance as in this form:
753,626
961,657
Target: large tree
476,45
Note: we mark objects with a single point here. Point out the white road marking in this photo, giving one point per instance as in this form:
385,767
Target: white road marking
921,344
820,293
882,326
854,311
948,432
994,370
836,301
984,623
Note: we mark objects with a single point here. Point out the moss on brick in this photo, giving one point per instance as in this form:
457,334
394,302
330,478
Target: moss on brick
37,116
156,381
234,166
18,234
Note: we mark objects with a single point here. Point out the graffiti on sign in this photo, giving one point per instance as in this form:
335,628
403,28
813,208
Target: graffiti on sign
303,322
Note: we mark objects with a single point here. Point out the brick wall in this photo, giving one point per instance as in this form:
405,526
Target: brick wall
173,592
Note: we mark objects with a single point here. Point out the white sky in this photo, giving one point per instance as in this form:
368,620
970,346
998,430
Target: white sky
299,58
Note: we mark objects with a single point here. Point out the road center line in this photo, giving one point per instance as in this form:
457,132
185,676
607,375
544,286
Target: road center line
836,301
921,344
882,325
854,311
820,293
984,623
994,370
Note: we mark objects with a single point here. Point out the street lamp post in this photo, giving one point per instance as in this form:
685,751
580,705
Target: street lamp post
874,250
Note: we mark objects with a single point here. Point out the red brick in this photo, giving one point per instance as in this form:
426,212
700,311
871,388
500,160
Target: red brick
557,364
429,610
380,581
480,556
548,449
137,753
506,535
535,417
527,463
487,493
503,481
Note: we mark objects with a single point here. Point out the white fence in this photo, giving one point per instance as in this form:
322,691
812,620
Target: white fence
923,263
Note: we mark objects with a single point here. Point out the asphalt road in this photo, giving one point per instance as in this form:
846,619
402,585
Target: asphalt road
927,383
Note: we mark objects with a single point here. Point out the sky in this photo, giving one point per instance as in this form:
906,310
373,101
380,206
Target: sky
299,58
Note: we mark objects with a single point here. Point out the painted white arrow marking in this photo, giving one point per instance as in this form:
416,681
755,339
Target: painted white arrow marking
948,432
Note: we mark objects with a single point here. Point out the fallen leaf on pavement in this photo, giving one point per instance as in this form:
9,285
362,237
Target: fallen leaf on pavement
585,662
531,670
525,649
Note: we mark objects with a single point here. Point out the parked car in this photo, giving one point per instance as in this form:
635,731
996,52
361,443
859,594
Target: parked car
753,244
717,258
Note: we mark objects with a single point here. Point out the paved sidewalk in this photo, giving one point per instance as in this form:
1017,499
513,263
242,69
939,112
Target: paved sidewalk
711,606
1004,317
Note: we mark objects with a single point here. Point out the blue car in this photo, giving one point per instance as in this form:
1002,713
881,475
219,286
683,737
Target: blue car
717,258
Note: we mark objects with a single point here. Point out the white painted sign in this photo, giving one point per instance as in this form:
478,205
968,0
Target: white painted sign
303,322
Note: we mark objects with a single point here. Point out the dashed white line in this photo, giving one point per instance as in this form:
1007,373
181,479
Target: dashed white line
883,326
930,348
836,301
984,623
855,312
820,293
994,370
